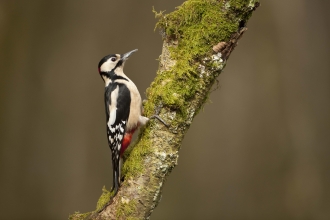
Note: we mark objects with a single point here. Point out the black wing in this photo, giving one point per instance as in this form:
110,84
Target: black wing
118,100
117,105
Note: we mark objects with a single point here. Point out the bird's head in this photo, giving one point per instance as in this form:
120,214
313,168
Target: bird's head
113,62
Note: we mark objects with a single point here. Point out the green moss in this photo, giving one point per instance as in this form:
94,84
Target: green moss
79,216
174,91
238,4
104,199
197,25
242,8
242,5
125,208
134,163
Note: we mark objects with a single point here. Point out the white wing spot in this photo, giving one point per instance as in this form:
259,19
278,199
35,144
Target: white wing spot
121,129
112,129
120,137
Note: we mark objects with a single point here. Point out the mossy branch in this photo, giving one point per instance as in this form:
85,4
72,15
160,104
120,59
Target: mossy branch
198,39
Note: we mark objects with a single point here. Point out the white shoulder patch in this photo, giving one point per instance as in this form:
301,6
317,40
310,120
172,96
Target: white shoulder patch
113,107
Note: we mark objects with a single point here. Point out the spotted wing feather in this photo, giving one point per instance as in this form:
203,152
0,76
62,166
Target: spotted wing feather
117,112
117,99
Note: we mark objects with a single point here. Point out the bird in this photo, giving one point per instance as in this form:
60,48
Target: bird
123,107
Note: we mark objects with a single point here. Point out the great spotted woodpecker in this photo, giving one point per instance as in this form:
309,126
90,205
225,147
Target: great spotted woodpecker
123,107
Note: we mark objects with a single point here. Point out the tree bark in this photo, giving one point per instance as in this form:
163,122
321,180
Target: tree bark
198,40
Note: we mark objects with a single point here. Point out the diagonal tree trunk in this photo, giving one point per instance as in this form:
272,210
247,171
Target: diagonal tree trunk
198,40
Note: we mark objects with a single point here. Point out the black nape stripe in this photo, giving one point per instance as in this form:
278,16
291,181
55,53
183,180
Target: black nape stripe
113,76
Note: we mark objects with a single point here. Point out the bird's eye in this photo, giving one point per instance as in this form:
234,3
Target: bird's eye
113,59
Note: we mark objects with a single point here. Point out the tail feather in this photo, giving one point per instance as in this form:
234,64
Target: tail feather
116,176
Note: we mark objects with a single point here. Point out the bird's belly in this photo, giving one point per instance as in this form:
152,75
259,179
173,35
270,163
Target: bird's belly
135,112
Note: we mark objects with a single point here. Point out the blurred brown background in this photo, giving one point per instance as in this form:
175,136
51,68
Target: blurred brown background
260,150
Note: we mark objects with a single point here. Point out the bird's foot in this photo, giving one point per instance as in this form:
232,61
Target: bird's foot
158,108
159,119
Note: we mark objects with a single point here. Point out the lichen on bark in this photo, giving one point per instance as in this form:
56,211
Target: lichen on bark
188,68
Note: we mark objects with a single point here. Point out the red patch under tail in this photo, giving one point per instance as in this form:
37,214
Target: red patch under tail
126,141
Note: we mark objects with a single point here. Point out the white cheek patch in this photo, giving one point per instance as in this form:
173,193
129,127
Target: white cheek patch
108,66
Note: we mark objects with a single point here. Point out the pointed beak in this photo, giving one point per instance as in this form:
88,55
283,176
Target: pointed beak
125,56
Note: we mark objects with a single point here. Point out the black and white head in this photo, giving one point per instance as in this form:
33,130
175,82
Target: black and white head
113,63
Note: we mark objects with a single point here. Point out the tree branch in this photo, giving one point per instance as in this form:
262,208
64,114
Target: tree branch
198,40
